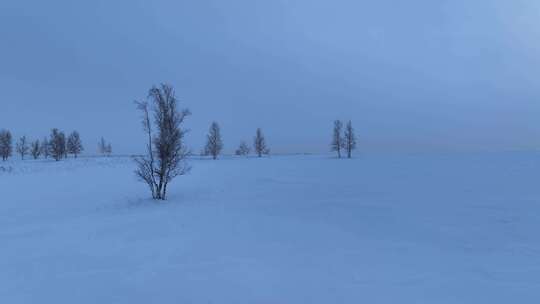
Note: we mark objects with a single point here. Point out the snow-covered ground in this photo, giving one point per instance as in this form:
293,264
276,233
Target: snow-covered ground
424,228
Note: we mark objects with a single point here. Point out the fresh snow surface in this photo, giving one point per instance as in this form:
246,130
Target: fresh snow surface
415,228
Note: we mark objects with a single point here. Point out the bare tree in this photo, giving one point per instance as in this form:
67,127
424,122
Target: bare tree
63,144
22,147
337,139
65,148
45,148
35,149
214,144
243,149
166,152
104,148
259,143
74,144
108,150
6,145
57,144
350,139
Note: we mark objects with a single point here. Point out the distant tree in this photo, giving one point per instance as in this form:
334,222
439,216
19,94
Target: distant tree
214,144
65,148
104,148
22,147
63,144
74,144
337,139
350,139
57,144
45,148
243,149
259,143
108,149
6,144
35,149
166,151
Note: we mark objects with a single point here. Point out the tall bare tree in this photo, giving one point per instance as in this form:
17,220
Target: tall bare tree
259,143
74,144
57,144
350,139
337,139
35,149
243,149
6,144
166,152
22,147
214,144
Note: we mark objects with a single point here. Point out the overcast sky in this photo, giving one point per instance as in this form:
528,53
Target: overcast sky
417,75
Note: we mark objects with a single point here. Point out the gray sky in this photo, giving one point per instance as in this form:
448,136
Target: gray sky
411,75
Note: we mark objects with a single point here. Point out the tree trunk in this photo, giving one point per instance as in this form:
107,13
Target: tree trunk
159,188
164,191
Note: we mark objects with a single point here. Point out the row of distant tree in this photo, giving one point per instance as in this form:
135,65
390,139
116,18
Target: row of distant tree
56,146
342,141
214,143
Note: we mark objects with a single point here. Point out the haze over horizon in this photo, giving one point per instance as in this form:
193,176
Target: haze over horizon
412,76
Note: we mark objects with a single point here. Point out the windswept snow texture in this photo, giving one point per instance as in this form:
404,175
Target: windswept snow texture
453,228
